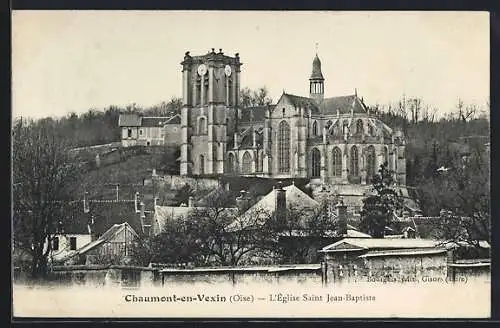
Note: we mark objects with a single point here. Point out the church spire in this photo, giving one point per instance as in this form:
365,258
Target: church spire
316,81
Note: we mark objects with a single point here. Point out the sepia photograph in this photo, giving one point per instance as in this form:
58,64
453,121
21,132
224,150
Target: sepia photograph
250,164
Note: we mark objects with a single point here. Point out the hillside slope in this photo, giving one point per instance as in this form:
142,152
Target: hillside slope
127,168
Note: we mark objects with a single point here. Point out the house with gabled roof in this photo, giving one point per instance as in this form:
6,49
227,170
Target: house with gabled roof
140,130
306,222
386,259
85,221
114,246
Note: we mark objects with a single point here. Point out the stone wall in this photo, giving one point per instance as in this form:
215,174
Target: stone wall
176,182
104,276
470,272
349,267
243,276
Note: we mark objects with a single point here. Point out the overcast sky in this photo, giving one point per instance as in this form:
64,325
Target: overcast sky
65,61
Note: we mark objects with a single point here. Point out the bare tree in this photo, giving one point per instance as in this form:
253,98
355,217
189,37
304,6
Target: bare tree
209,233
461,196
42,178
252,98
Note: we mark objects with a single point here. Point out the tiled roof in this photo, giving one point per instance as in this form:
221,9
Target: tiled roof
295,199
380,243
129,120
253,114
108,214
107,236
343,103
104,214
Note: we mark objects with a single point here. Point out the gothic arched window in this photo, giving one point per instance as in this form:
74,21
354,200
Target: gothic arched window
315,128
354,170
202,165
335,129
371,131
202,125
337,162
359,127
315,163
345,127
370,163
284,147
246,163
231,164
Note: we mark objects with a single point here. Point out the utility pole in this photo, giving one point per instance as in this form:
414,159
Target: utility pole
117,187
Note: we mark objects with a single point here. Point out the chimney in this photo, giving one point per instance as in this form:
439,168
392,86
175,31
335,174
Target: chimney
280,210
136,200
190,201
341,210
86,208
242,201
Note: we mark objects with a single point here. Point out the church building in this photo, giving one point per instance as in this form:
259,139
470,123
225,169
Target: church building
329,140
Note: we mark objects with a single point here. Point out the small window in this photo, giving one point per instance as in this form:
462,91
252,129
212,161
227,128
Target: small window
129,133
140,132
55,243
283,111
202,126
72,243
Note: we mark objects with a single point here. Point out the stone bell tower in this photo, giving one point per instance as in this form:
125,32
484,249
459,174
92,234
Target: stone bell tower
316,81
210,96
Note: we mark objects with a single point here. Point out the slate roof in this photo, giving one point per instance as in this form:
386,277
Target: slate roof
329,106
129,120
254,114
343,104
134,120
316,71
300,101
379,244
176,119
151,122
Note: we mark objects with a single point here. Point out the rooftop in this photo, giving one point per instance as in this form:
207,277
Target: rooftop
349,244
